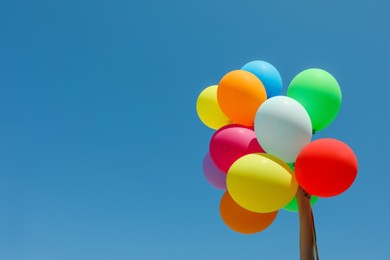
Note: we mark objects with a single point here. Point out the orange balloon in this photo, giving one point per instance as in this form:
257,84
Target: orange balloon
240,94
242,220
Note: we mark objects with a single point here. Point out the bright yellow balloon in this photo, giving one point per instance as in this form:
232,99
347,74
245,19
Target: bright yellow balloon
261,183
208,109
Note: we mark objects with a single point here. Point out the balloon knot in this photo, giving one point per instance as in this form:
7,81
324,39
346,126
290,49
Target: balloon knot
307,195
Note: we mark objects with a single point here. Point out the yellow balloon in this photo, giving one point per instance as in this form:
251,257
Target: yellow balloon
261,183
208,109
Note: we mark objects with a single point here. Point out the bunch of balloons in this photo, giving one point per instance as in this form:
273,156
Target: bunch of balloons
263,149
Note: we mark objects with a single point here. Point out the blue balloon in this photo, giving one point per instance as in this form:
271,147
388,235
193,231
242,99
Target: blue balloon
268,75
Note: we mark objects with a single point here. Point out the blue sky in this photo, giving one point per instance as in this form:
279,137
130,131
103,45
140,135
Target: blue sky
101,148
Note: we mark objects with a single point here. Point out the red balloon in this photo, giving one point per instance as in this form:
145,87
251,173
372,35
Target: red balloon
326,167
232,142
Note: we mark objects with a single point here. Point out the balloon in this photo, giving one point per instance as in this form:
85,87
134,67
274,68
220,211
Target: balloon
283,127
208,109
320,94
230,143
214,176
326,167
268,75
242,220
240,93
293,205
261,183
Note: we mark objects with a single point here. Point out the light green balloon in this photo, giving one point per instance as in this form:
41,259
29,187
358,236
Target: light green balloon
293,205
319,93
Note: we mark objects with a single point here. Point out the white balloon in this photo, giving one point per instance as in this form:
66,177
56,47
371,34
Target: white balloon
283,127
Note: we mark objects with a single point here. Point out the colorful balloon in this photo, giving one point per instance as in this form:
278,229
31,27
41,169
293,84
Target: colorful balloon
240,93
208,109
261,183
267,74
283,127
213,175
326,167
293,205
242,220
230,143
319,93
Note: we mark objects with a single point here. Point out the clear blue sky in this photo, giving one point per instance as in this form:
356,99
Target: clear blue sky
101,147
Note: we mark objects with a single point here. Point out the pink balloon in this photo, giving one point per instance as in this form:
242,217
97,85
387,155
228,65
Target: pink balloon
232,142
214,176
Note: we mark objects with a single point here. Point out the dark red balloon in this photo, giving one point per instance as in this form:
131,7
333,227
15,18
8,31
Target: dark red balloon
326,167
232,142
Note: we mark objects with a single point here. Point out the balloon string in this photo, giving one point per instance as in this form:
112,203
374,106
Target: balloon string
314,237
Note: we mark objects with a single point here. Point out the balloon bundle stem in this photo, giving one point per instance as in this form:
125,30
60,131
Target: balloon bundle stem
315,238
307,233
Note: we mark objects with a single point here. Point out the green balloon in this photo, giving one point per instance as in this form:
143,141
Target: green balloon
293,205
292,166
319,93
